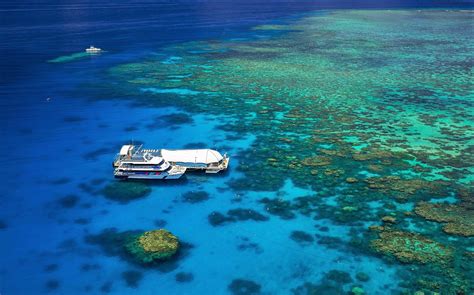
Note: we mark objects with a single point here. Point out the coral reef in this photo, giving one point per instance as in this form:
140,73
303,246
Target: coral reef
51,267
338,276
331,283
459,220
184,277
301,237
153,245
244,287
362,276
70,58
88,267
125,191
125,245
160,222
357,291
278,207
242,214
60,181
320,289
106,287
234,215
412,248
132,278
350,124
195,197
389,219
82,221
52,285
170,120
248,245
216,218
68,201
3,225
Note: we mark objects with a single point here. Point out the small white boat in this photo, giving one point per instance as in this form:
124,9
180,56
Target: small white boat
93,49
133,163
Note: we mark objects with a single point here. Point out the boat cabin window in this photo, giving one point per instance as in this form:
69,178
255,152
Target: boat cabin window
147,156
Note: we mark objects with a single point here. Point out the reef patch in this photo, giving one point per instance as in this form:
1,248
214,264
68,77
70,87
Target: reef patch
412,248
132,278
195,197
459,220
301,237
125,191
244,287
233,215
184,277
68,201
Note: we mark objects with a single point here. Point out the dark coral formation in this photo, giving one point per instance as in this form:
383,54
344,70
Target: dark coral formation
171,120
59,181
332,283
89,266
459,220
184,277
278,207
249,245
106,287
195,197
82,221
52,285
301,237
73,119
362,276
132,278
3,225
338,276
244,287
126,191
243,214
234,215
160,222
217,218
51,267
318,289
68,201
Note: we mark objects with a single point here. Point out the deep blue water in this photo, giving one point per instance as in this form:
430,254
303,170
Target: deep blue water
51,148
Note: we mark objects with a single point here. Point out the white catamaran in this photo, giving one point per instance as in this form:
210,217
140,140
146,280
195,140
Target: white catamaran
137,163
133,163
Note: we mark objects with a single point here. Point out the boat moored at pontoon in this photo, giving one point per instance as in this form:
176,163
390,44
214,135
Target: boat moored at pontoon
135,158
136,163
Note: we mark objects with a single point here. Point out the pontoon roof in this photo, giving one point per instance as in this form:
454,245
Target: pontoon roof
205,156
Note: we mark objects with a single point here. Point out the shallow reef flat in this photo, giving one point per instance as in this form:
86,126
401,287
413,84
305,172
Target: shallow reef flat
371,109
70,57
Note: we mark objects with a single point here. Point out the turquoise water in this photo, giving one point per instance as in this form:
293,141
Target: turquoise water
349,132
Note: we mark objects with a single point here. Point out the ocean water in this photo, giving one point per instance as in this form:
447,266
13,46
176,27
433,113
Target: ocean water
349,128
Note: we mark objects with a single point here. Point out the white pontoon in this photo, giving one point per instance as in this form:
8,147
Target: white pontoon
202,159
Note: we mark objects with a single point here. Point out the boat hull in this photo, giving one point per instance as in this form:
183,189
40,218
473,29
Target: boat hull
149,176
